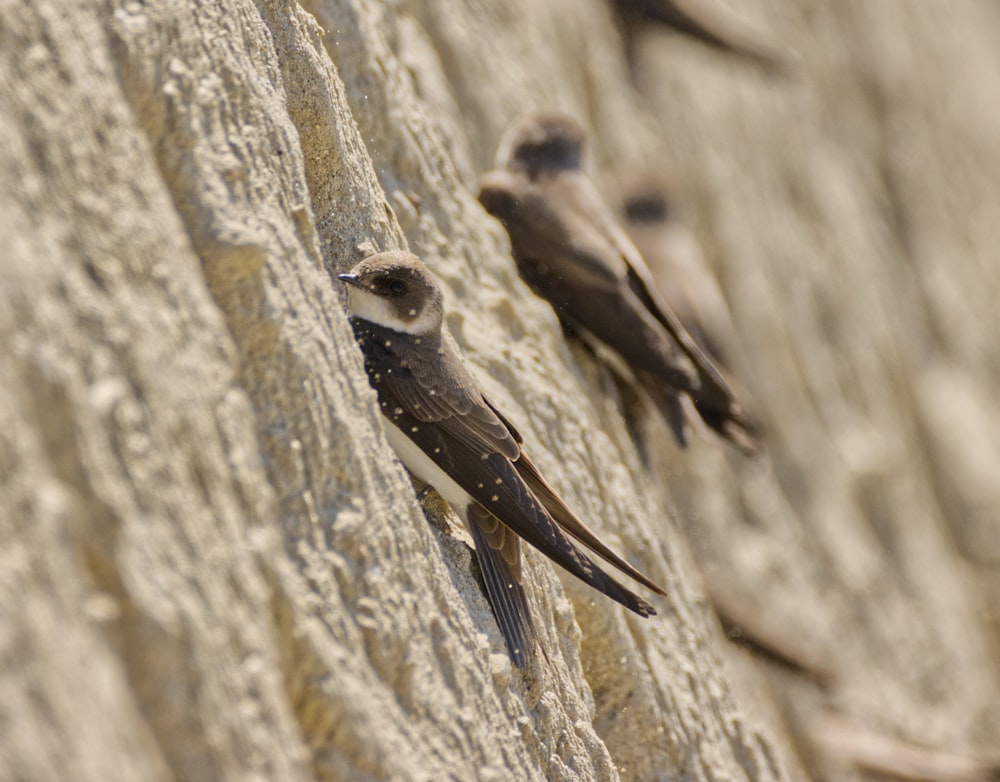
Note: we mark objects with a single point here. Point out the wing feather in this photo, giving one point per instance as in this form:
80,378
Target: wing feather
569,521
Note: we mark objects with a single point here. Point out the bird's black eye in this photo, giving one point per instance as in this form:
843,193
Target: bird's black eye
397,287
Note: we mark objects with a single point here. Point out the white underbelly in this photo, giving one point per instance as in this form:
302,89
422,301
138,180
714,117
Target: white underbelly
421,465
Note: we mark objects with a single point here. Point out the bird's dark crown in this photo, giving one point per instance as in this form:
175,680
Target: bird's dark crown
392,278
544,142
397,291
647,206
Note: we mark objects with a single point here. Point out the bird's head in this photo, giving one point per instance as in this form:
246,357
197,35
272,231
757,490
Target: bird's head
395,290
541,142
647,202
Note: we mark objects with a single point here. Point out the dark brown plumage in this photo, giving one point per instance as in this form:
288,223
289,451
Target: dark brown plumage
570,251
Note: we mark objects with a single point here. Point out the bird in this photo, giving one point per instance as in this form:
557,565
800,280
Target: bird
698,20
571,252
448,434
678,265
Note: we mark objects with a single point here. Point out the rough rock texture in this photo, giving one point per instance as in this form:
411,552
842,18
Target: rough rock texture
212,565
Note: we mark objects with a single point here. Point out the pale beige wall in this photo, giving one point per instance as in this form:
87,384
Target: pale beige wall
213,568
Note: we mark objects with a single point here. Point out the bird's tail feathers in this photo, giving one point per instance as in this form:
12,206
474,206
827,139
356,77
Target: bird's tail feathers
561,550
503,588
718,410
734,426
668,403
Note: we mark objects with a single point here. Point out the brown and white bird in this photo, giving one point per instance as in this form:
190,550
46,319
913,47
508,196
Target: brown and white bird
448,434
569,249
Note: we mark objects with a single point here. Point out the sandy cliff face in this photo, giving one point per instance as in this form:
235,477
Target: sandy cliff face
214,568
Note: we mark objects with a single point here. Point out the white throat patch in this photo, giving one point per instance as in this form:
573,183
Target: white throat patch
366,305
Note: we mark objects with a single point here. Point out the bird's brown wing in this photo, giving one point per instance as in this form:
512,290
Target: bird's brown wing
569,521
429,384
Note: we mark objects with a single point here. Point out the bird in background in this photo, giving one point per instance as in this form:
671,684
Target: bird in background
701,20
677,265
451,436
571,252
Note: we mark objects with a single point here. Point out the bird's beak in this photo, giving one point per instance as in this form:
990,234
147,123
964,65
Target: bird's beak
350,279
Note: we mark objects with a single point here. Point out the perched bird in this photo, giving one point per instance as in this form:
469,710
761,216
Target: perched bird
678,267
570,251
448,434
704,21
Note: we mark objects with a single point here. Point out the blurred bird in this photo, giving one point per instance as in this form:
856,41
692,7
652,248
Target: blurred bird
678,267
698,19
570,251
448,434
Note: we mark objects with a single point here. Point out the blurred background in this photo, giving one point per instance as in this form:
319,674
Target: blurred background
834,167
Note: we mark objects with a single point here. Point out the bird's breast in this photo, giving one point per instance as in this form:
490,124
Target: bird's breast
424,467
